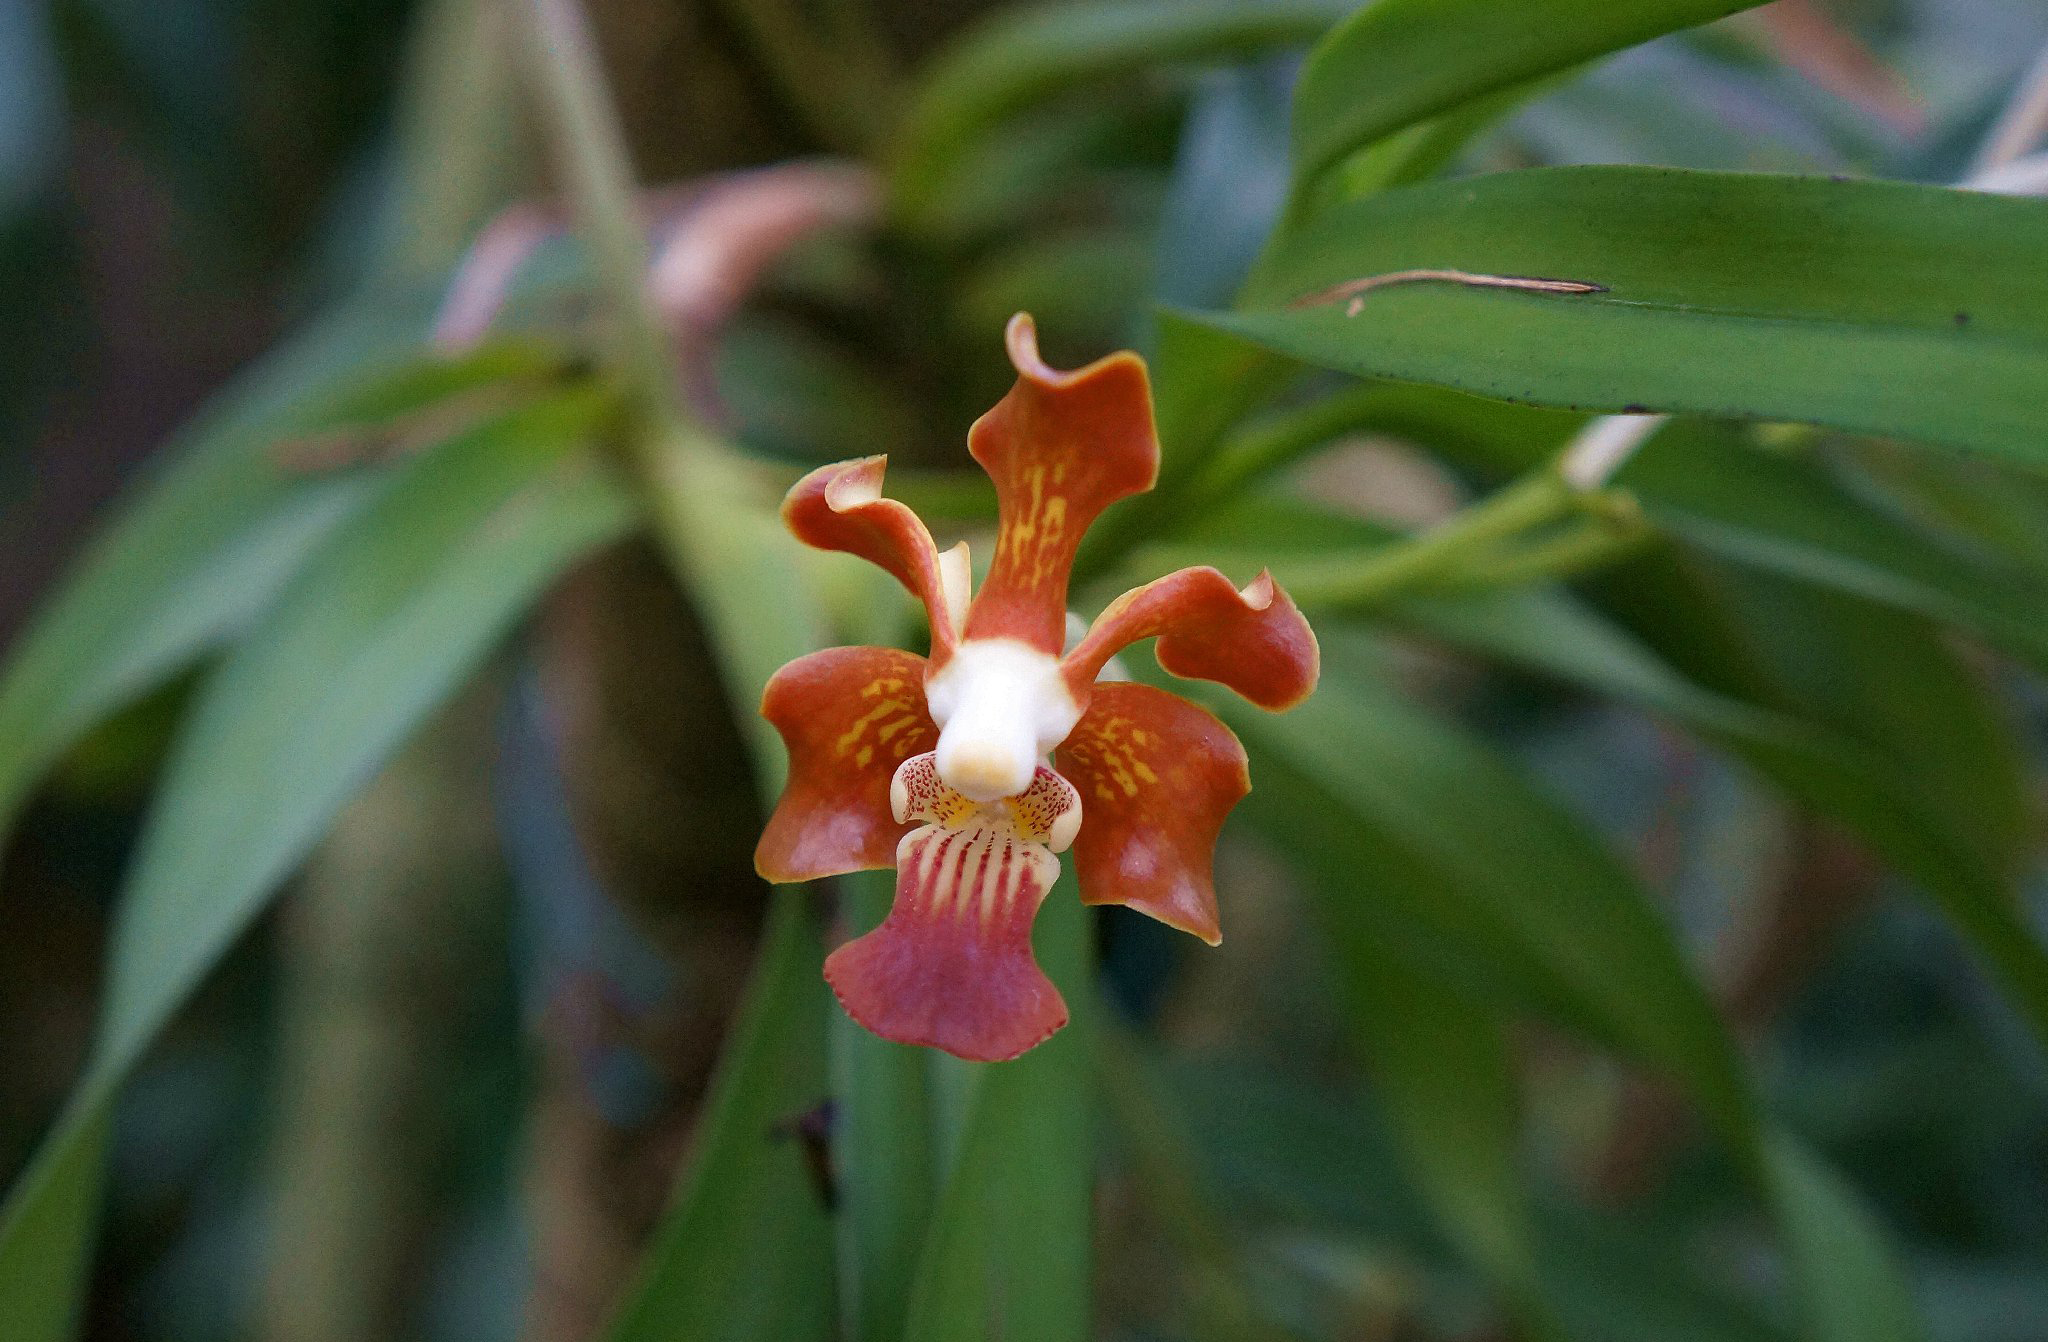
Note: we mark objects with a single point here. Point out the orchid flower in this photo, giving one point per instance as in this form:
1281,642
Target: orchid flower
968,771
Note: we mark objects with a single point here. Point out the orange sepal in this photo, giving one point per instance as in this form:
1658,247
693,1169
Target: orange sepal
840,507
1157,775
1255,641
1060,447
848,716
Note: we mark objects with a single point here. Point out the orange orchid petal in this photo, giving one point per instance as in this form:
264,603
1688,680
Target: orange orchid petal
951,966
1060,447
849,717
1255,640
840,507
1157,775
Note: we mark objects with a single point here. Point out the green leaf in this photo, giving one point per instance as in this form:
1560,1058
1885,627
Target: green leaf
1860,713
883,1151
1205,381
46,1232
1541,628
1426,148
1732,295
1919,763
1862,1294
1399,62
1445,1078
1466,853
725,542
1166,1175
1009,1248
746,1251
1501,895
1023,56
385,619
1998,506
1787,516
205,543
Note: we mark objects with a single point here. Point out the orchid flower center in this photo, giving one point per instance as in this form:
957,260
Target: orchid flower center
1000,706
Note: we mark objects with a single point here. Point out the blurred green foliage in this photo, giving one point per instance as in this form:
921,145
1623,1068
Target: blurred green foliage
1639,935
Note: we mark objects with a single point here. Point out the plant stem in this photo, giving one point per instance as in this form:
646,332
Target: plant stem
457,137
1536,499
577,106
839,83
1581,548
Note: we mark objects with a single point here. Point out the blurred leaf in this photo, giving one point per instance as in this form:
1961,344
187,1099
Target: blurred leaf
1862,1294
2003,507
1398,62
1413,834
1858,712
882,1148
202,547
1544,628
1920,766
1167,1177
1022,56
46,1232
789,392
1314,1156
1891,682
383,621
1009,1249
1073,280
1204,381
1735,295
386,396
1634,1276
31,113
1229,181
725,541
1422,150
746,1250
1446,1080
1464,848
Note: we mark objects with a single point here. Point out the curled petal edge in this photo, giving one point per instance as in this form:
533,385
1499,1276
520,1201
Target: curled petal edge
841,507
1254,640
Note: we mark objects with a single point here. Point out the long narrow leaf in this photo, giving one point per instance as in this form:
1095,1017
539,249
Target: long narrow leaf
385,620
882,1141
1514,900
1009,1247
1445,1078
746,1249
1023,55
746,1252
1735,295
207,541
1398,62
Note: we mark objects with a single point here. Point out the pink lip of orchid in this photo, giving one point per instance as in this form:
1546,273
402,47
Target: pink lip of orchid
969,771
